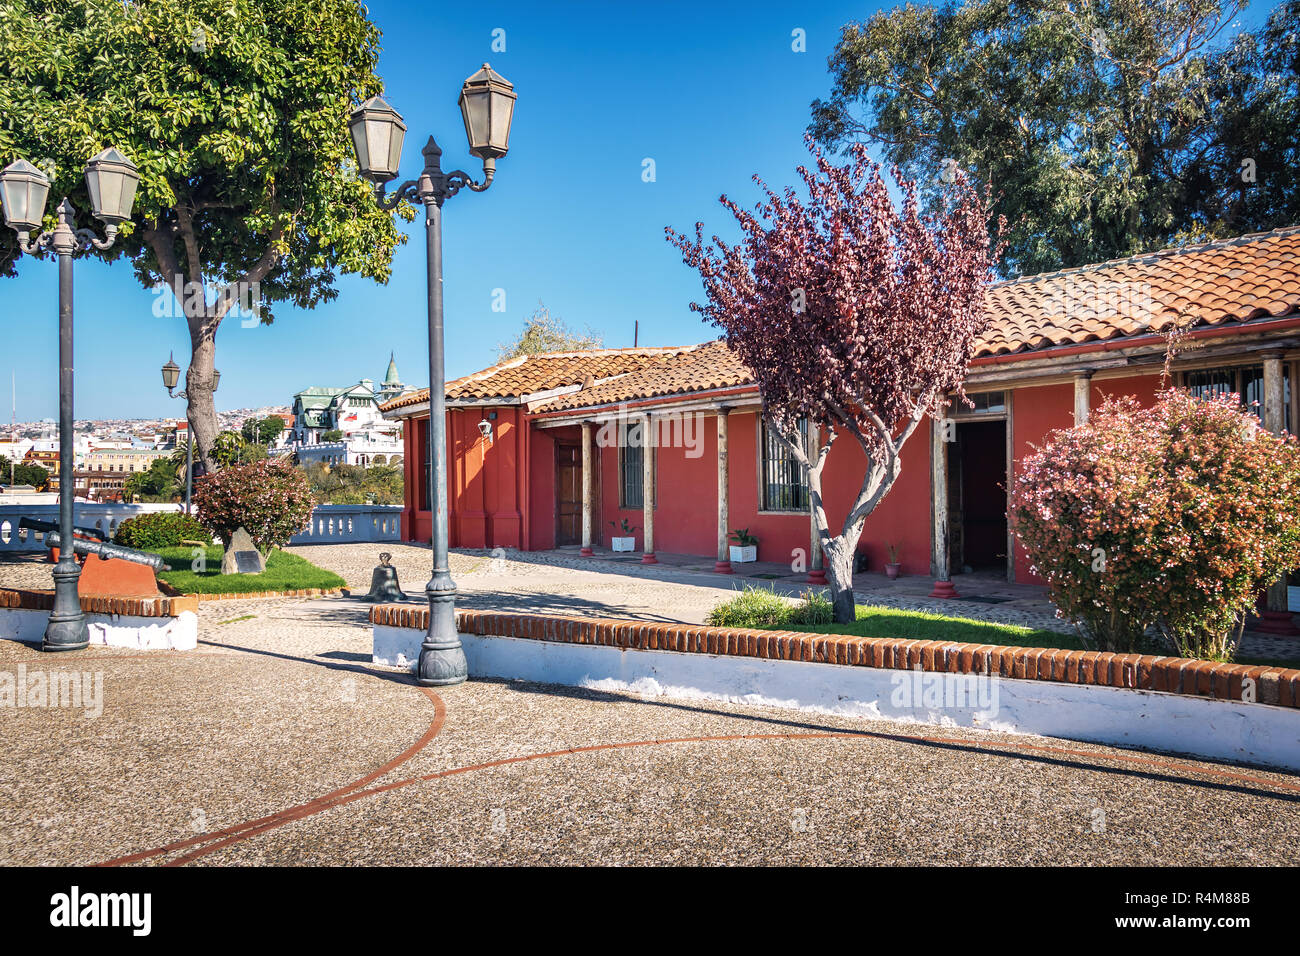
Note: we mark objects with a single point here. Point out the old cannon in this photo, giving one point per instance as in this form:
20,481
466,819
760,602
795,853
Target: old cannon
106,569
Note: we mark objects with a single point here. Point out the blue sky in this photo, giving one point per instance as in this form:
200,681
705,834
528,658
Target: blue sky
712,93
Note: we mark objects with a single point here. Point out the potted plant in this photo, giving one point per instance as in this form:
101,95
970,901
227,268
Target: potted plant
746,547
626,541
893,567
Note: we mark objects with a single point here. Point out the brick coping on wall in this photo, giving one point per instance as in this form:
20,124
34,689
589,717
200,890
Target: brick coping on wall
1175,675
162,606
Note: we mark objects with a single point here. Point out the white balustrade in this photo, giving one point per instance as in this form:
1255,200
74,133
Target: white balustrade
329,524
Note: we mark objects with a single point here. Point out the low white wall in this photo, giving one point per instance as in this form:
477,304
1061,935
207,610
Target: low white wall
1175,723
179,633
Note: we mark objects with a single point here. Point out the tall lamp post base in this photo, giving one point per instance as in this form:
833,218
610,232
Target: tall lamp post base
442,658
66,630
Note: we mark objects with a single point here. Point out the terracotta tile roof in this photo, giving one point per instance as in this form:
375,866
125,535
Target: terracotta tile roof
529,374
1231,280
696,369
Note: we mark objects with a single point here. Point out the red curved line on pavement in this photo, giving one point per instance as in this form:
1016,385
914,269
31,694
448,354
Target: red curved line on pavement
319,806
283,816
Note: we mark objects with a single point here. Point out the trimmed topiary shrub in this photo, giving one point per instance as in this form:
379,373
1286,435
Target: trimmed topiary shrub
1164,521
270,499
167,529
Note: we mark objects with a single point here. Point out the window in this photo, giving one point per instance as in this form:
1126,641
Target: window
631,458
784,481
985,403
1246,381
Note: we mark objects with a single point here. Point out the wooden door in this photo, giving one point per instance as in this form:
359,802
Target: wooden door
568,494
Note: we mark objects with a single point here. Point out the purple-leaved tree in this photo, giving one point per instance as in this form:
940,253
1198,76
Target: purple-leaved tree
853,313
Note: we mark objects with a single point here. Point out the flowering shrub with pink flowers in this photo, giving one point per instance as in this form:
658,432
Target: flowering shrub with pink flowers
1161,524
271,499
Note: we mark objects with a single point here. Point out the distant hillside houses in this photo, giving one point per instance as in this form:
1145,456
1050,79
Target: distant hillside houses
352,410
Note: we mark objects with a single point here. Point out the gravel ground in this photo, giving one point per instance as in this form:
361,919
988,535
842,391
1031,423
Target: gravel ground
280,706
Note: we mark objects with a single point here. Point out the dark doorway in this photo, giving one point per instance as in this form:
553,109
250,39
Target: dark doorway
568,494
977,497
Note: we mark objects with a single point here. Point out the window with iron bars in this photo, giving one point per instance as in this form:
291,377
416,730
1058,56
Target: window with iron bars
784,481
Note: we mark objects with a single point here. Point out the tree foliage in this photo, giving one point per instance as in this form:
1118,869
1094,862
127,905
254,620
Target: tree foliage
853,313
543,332
236,115
162,482
262,431
25,473
354,485
270,499
1108,127
1168,518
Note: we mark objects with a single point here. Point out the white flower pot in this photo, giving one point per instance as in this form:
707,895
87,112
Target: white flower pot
622,544
744,555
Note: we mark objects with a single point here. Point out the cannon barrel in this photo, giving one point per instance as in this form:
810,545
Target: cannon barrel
106,550
35,524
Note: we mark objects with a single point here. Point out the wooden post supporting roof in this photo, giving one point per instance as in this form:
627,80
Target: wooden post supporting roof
648,489
723,564
588,498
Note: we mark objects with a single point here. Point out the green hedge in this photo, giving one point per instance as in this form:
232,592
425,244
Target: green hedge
167,529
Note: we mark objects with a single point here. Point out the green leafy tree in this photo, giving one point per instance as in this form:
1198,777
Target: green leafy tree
1109,127
25,473
236,115
333,434
543,333
159,483
354,485
262,431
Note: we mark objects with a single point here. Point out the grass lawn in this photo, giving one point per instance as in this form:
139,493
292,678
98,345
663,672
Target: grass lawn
918,625
284,572
762,608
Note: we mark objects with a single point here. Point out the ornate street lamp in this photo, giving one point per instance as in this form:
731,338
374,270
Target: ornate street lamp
487,103
111,179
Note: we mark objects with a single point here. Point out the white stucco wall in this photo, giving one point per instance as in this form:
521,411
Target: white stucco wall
179,633
1174,723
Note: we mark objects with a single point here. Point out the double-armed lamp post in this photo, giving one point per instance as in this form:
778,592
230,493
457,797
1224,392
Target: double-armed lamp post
111,180
487,103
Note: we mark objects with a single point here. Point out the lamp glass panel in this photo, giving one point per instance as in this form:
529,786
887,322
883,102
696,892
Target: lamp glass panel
475,111
379,132
502,111
396,134
358,128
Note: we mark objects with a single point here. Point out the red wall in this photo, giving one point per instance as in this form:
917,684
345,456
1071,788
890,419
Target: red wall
1038,410
502,494
485,485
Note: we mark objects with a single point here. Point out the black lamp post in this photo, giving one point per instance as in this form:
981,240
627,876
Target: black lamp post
111,180
171,373
487,103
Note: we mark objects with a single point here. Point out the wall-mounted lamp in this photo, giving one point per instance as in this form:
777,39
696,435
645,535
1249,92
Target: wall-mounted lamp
485,429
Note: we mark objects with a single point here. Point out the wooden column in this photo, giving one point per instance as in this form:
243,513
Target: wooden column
587,495
816,563
1276,619
723,564
1082,396
648,490
939,504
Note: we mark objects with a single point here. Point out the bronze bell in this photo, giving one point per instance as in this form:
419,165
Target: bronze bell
383,583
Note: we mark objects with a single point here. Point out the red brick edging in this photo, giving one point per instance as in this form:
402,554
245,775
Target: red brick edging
28,600
1175,675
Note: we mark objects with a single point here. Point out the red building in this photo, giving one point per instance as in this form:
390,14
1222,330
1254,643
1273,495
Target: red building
526,437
